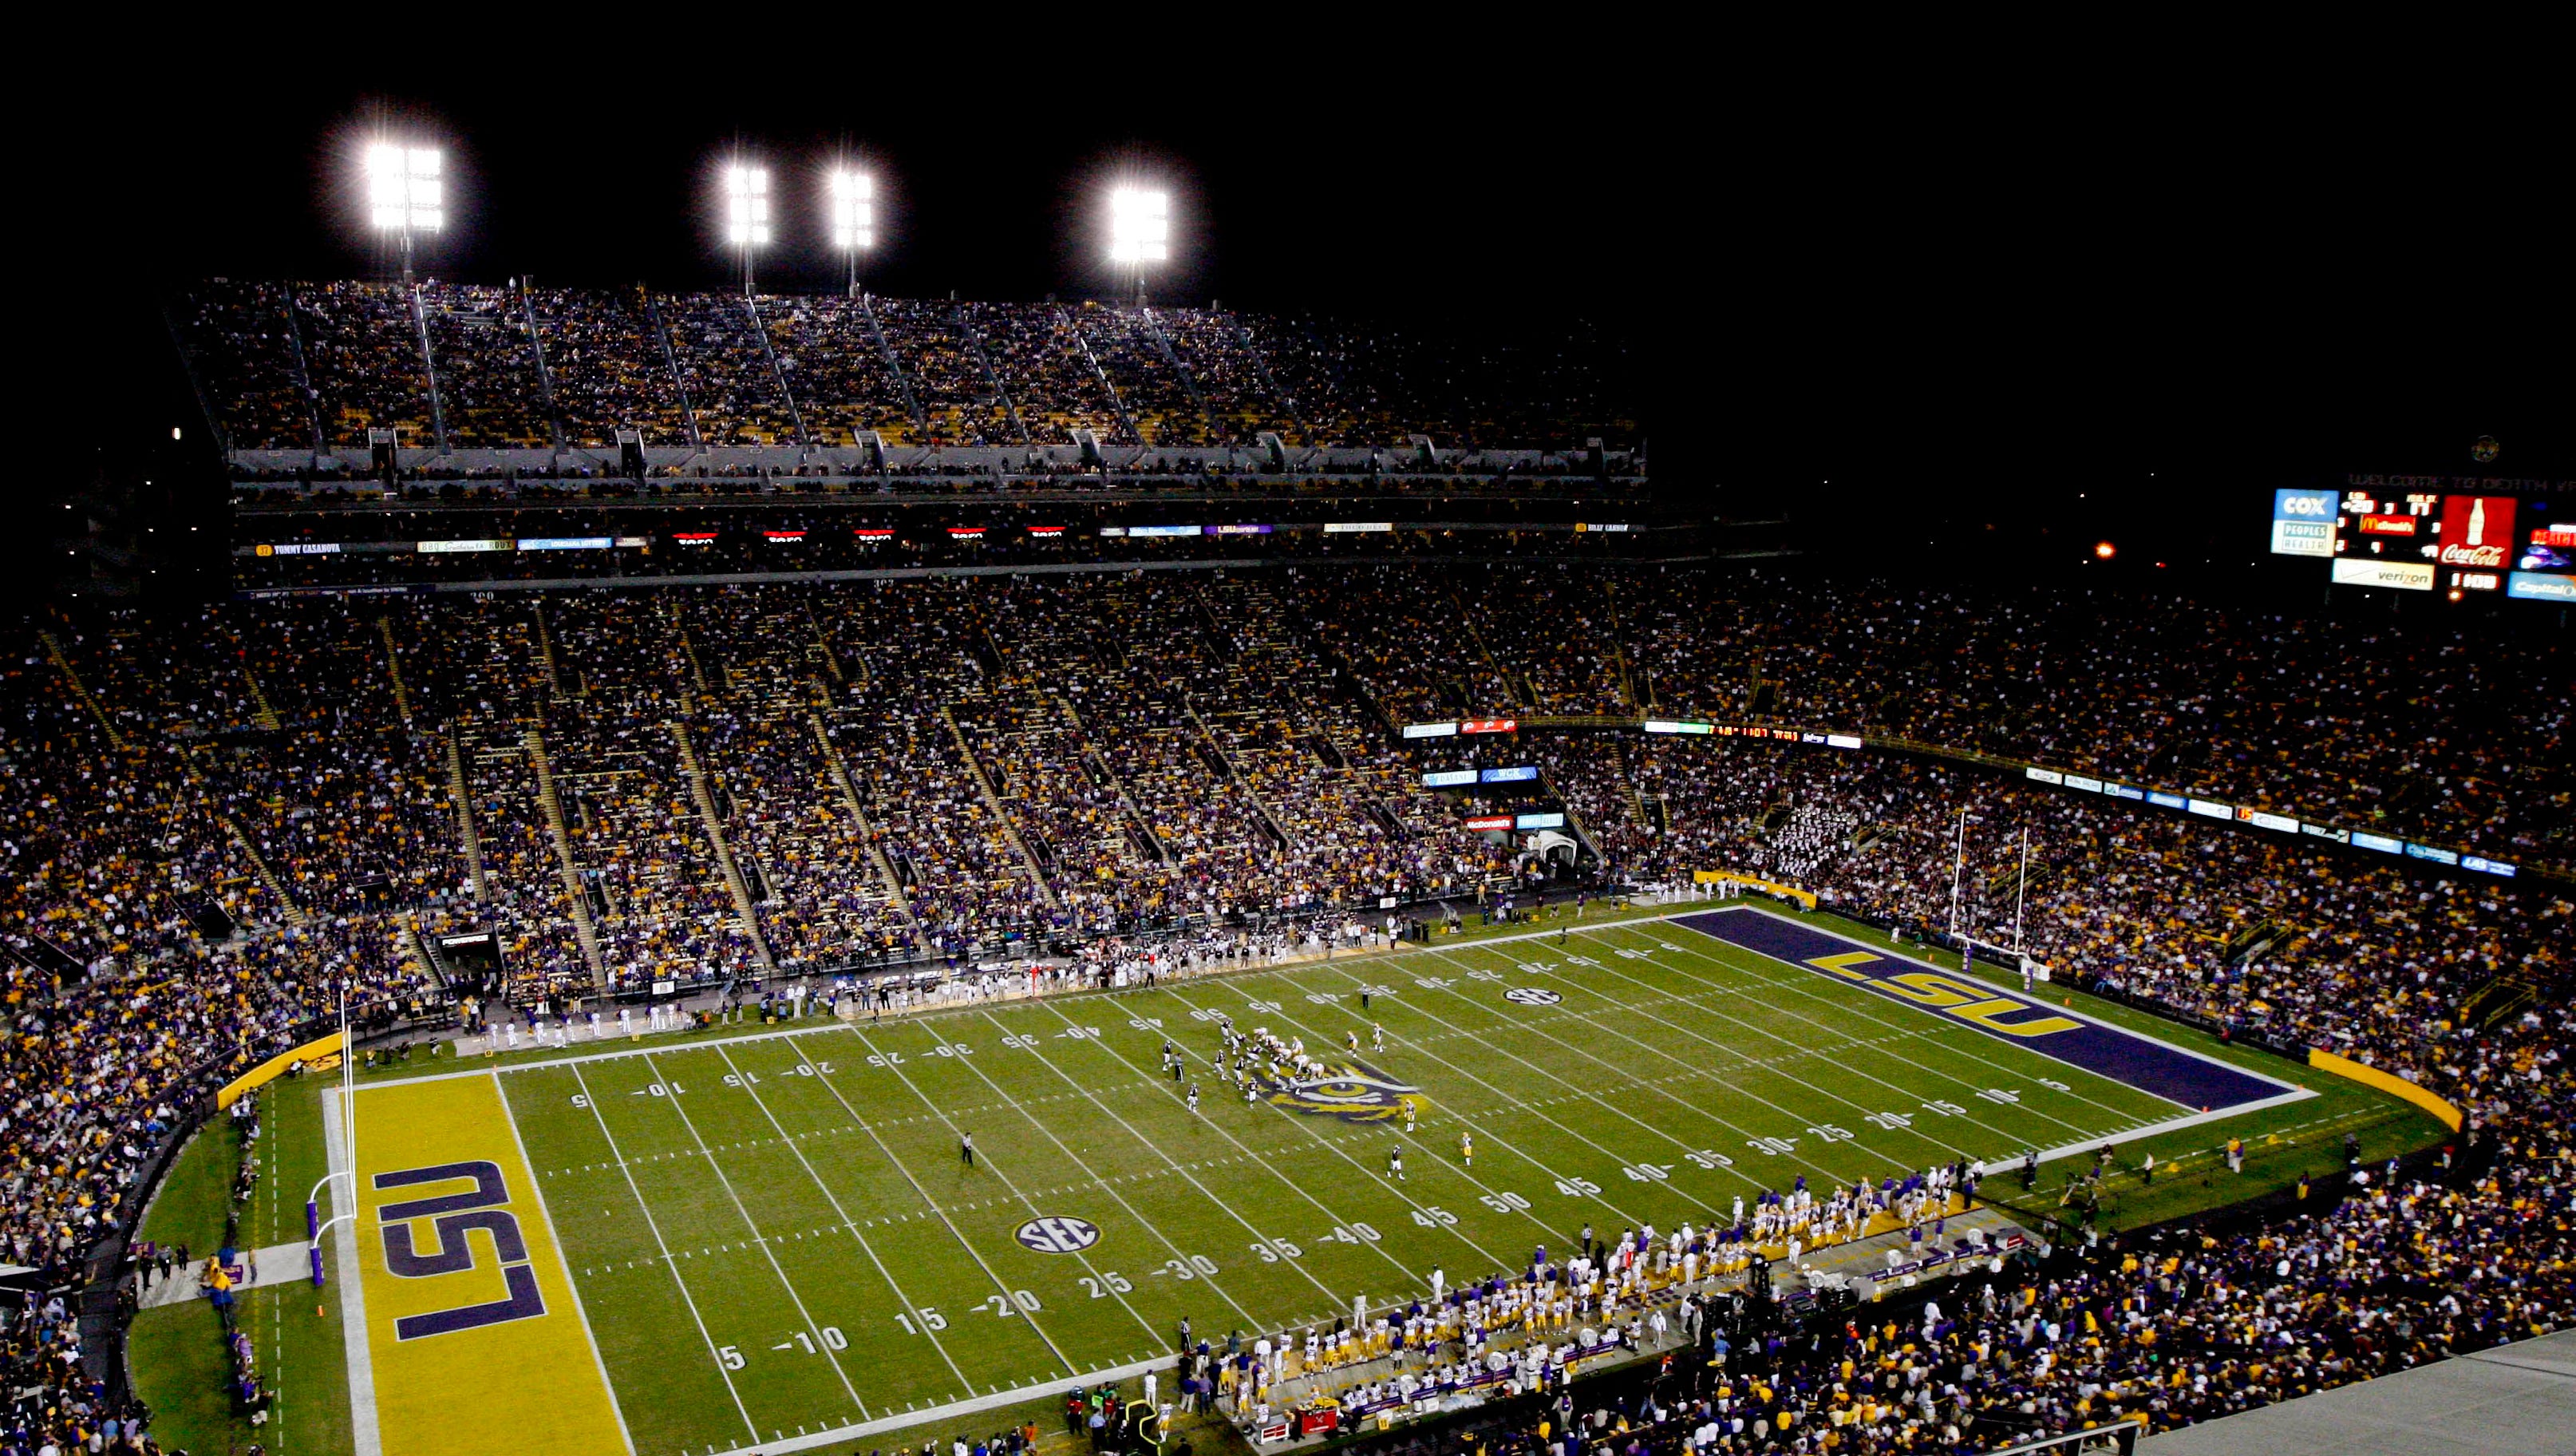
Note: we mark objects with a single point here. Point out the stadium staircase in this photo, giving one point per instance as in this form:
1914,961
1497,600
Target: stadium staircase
1117,401
702,795
1269,383
583,930
1234,776
266,717
393,668
80,690
993,806
1511,681
760,331
429,369
545,371
689,650
292,913
425,952
671,363
546,648
840,770
1189,383
974,338
304,373
464,801
894,368
1627,780
1140,828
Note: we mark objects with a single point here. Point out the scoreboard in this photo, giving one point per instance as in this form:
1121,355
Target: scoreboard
2457,543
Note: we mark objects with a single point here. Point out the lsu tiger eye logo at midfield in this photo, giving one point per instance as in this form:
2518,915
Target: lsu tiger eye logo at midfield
1347,1090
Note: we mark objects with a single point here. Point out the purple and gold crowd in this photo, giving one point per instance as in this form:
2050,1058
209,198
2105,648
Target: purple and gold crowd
220,821
316,366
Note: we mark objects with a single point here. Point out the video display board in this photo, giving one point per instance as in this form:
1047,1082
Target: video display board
2461,543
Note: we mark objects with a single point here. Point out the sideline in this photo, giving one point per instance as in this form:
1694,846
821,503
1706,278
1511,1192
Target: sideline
824,1022
364,1438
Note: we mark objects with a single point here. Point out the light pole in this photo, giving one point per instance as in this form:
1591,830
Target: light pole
405,194
850,201
1140,231
746,213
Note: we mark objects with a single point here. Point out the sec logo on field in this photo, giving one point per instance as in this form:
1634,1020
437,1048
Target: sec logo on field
1532,996
1058,1234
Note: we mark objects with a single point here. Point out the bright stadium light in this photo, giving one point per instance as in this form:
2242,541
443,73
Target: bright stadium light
405,193
850,204
1140,231
746,191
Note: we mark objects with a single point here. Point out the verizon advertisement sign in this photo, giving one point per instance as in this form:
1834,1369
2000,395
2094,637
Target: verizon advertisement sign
2372,571
2476,531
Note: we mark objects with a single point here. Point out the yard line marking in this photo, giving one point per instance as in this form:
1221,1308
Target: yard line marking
556,1238
1495,1138
812,1326
1805,987
1659,1091
924,1193
829,1197
1201,1187
988,1164
1948,1152
655,1227
1299,1122
1897,952
1312,1135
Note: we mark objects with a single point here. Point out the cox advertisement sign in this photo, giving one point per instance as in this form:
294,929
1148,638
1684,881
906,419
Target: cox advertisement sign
2303,522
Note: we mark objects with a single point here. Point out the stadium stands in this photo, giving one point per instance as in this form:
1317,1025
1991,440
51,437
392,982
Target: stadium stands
219,820
476,368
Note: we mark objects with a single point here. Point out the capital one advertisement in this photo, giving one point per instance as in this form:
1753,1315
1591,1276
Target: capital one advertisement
2476,531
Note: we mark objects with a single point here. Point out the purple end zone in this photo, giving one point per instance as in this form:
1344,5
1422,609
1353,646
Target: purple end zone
2169,1072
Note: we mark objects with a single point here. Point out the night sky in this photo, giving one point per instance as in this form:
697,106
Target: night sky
1963,302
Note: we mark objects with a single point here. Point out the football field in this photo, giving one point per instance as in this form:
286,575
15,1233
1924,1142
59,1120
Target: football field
774,1241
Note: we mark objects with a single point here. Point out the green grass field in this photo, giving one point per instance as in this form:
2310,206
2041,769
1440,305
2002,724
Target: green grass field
773,1235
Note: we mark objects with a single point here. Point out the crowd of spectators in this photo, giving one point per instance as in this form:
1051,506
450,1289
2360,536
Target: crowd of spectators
610,362
221,821
492,390
1233,382
2422,732
365,355
1133,353
735,394
951,375
362,351
834,359
242,339
1040,354
2185,1324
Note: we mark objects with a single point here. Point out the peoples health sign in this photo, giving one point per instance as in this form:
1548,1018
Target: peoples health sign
2303,522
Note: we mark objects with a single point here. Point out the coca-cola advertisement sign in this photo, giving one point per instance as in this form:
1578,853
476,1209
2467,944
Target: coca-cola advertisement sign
2476,530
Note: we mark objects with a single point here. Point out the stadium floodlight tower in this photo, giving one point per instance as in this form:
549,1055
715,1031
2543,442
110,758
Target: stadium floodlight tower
405,194
850,201
1140,231
746,199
